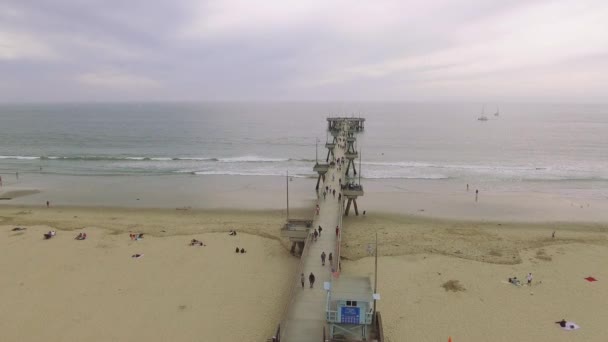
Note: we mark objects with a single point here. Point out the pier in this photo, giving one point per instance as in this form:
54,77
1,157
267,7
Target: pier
307,316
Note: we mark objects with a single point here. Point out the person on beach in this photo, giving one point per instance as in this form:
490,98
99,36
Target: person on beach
339,197
302,279
48,204
324,194
553,235
331,259
311,279
323,258
467,187
476,194
334,192
337,230
195,242
232,232
318,209
238,250
315,234
529,277
514,281
320,229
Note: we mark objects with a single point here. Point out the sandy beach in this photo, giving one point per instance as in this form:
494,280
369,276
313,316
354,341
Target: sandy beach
69,290
93,290
415,306
419,255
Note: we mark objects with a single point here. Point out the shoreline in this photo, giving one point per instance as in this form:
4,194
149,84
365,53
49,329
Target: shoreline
443,199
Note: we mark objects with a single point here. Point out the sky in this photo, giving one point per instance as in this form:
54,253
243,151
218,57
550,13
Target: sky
313,50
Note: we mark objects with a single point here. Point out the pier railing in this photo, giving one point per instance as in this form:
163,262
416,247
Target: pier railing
339,237
296,280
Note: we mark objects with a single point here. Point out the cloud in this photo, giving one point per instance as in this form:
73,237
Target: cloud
117,80
17,45
303,50
503,42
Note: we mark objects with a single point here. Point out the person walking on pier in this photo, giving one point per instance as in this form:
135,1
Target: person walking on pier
311,279
323,258
302,279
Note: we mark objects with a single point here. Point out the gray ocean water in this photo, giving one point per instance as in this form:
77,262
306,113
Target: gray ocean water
525,143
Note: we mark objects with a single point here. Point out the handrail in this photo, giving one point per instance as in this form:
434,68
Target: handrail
295,283
339,237
379,331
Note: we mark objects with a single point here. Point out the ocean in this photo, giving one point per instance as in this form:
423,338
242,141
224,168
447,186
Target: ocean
538,143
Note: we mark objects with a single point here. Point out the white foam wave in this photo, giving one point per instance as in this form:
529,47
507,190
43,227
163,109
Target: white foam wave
19,157
251,159
246,173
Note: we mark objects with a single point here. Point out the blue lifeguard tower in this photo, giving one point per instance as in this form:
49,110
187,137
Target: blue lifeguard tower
350,309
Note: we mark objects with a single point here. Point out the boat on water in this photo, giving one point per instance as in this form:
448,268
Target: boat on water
483,117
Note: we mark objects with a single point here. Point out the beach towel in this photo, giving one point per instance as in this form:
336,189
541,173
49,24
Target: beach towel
590,279
571,326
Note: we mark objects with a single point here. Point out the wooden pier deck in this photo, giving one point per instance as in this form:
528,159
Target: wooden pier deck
305,318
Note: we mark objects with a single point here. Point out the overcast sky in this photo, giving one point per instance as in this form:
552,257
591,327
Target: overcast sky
427,50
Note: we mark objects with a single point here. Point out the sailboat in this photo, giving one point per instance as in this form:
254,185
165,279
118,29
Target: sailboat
497,111
483,117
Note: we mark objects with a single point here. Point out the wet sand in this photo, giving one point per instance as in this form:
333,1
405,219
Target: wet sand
518,202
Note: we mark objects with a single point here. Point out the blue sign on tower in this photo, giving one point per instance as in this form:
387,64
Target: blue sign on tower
350,315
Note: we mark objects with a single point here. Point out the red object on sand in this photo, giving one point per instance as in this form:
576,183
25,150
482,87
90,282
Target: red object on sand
590,279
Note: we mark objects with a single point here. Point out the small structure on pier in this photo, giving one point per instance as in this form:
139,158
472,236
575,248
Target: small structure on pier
297,231
350,309
351,191
356,123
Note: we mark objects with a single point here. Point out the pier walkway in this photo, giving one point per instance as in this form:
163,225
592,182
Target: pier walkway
306,317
